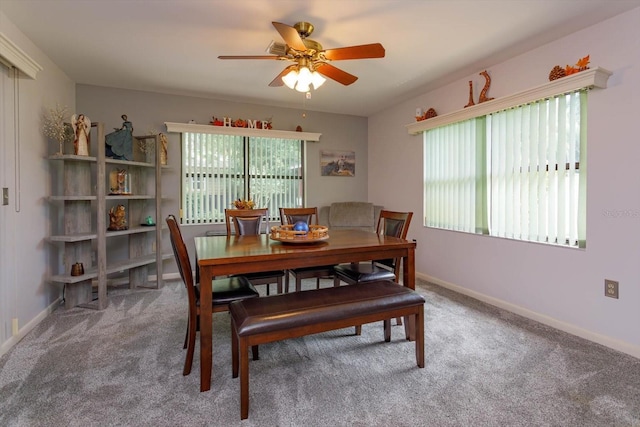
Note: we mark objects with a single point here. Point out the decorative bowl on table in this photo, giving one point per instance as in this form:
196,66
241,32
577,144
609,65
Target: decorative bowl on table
287,234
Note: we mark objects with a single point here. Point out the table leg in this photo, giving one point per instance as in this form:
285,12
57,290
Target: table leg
206,277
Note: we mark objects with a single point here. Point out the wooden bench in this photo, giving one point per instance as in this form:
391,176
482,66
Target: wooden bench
267,319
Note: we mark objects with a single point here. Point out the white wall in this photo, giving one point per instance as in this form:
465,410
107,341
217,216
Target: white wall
27,251
559,286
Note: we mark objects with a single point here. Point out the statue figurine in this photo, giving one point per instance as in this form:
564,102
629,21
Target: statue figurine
119,143
470,103
163,149
82,134
117,218
485,89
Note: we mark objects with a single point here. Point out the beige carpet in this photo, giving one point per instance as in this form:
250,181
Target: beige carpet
484,367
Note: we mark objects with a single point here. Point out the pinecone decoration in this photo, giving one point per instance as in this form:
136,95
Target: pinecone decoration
556,73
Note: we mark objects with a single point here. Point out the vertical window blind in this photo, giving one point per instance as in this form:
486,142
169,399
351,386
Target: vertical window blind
275,176
455,176
517,173
536,170
218,169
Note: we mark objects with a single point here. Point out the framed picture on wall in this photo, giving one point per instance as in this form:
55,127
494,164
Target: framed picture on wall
337,163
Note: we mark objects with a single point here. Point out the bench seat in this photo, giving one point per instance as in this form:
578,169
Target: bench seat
273,318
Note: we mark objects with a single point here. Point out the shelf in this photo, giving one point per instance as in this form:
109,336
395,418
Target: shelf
132,230
72,157
80,237
116,267
591,78
129,197
71,198
128,163
67,278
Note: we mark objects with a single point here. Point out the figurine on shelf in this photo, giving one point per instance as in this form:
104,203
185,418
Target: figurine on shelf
119,143
470,103
163,149
117,218
485,89
82,131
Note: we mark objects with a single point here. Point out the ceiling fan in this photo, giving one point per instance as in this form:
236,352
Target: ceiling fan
310,59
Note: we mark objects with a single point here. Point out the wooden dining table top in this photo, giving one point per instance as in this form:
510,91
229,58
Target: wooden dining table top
225,255
230,253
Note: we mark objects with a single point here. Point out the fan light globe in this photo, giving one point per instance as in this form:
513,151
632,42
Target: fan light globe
290,79
304,79
317,80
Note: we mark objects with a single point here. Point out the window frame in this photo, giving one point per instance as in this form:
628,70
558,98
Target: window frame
180,128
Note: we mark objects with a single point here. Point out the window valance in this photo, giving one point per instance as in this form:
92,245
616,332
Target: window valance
12,56
595,77
224,130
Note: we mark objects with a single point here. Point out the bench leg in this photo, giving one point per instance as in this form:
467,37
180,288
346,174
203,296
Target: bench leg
359,330
409,328
244,379
419,336
387,330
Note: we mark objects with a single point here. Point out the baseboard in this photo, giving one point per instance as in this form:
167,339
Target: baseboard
15,339
622,346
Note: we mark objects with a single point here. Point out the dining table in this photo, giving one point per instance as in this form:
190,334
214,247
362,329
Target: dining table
226,255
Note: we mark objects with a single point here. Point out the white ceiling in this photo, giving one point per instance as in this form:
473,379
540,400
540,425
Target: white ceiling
171,46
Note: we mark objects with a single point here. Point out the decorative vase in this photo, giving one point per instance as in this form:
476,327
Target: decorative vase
77,269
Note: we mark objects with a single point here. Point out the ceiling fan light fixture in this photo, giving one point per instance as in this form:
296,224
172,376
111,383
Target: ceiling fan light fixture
301,78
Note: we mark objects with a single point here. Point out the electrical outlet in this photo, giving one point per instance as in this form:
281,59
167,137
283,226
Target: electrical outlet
610,288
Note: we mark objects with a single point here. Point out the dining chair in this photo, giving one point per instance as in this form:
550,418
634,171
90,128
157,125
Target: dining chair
225,291
394,224
310,216
248,222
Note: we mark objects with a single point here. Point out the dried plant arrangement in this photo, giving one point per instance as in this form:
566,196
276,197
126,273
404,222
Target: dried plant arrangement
56,128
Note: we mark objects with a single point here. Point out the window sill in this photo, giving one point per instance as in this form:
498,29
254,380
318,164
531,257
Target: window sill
224,130
595,77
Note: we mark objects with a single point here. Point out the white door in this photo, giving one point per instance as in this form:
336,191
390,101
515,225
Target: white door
7,212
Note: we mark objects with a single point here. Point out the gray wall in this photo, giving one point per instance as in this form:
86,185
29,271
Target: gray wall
149,111
27,258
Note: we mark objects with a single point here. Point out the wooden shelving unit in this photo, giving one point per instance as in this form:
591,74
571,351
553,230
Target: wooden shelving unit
85,209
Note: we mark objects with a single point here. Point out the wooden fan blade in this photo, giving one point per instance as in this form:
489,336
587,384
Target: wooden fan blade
374,50
278,80
336,74
249,57
290,36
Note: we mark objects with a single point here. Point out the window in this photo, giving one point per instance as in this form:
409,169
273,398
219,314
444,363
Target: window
517,173
218,169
